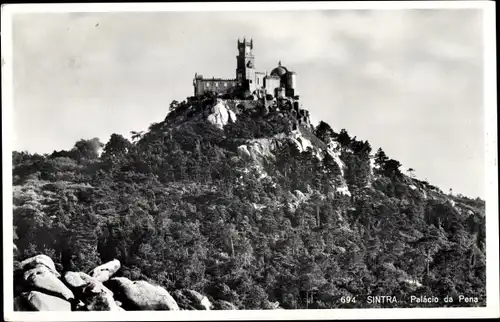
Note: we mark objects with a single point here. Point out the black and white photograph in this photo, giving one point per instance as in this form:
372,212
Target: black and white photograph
281,160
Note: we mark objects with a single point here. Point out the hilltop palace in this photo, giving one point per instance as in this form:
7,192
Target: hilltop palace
280,83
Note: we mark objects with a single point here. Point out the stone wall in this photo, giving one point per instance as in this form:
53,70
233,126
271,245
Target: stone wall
217,85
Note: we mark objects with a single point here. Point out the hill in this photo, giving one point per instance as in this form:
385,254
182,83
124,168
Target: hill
241,201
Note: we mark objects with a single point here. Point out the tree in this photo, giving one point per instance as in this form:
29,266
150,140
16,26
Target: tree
357,173
344,139
361,148
380,158
136,135
230,234
324,132
117,146
317,201
63,153
25,164
186,210
332,169
391,166
87,149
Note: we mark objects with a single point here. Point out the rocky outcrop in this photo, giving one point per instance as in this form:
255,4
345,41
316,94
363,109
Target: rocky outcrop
40,287
95,296
141,295
221,114
258,149
88,281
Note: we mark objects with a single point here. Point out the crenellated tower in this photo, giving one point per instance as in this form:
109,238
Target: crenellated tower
245,66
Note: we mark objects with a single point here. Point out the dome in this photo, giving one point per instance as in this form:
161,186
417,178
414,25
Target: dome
279,71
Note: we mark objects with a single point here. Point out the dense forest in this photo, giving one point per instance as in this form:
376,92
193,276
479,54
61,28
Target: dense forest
244,213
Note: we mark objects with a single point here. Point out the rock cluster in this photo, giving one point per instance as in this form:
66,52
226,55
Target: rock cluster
40,287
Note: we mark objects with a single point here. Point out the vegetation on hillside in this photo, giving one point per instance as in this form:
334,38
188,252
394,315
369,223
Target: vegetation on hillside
180,207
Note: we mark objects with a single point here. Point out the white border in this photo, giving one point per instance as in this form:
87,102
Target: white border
491,160
491,170
247,6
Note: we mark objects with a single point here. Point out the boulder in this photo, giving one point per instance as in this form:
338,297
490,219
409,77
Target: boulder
141,295
91,280
96,287
39,301
74,280
43,279
38,260
104,272
84,285
205,302
95,296
199,301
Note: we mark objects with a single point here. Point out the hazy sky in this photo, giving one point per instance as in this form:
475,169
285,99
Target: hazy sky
409,81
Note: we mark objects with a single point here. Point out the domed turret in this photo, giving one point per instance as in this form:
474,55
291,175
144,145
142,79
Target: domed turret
279,71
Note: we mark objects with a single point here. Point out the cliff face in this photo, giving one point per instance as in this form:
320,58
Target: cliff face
240,201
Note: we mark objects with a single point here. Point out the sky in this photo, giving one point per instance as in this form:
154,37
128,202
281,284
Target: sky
409,81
